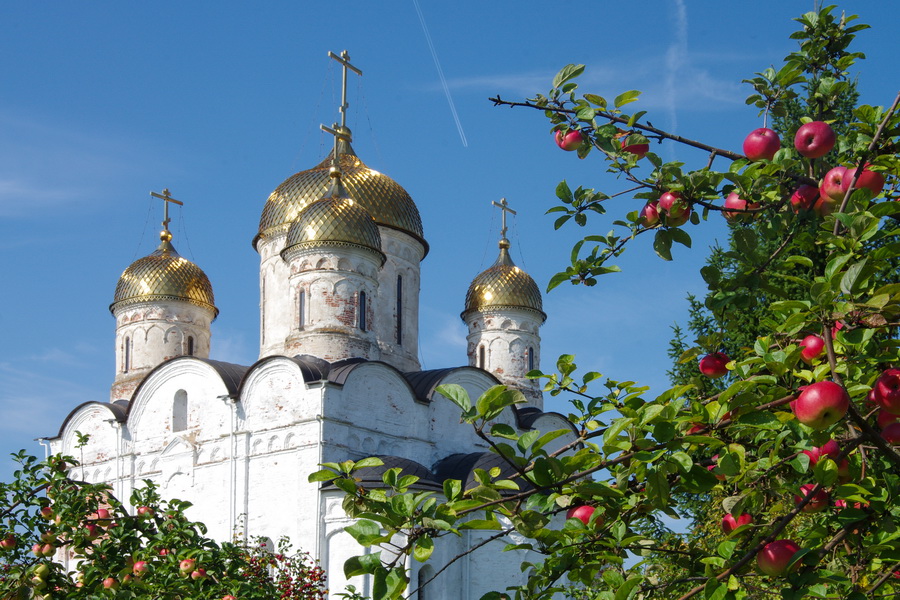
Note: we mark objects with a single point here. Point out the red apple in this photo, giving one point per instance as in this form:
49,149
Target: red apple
812,347
871,180
110,583
102,514
829,449
198,574
47,513
145,512
821,404
714,365
712,467
92,532
891,433
570,141
774,558
229,597
814,139
637,149
887,391
187,565
582,513
37,550
735,201
885,418
834,184
804,198
761,144
649,216
8,542
729,523
140,567
675,208
819,499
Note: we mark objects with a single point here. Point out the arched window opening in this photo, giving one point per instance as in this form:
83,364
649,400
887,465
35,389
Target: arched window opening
127,362
190,348
180,411
399,310
426,573
531,359
362,311
481,361
301,309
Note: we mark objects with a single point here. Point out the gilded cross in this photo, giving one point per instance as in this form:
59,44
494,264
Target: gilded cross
344,59
339,135
166,198
504,208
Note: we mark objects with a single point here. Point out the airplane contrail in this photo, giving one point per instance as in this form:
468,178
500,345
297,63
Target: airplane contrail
437,64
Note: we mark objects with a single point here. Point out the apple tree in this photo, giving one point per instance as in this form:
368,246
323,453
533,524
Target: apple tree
795,450
61,538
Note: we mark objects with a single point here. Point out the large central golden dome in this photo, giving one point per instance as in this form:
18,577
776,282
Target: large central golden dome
164,275
503,285
382,197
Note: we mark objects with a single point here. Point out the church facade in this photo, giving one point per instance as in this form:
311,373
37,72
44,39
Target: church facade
337,378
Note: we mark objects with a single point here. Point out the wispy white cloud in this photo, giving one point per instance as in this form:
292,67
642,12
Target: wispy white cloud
35,401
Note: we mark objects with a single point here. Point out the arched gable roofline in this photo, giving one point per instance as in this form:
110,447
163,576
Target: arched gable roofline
342,369
526,418
424,383
118,412
230,375
311,368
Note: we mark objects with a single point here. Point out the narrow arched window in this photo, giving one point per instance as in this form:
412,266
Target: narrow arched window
531,359
301,309
190,348
426,574
399,309
362,311
481,361
127,362
180,411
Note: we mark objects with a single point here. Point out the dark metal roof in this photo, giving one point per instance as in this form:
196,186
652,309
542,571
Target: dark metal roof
119,413
373,476
232,375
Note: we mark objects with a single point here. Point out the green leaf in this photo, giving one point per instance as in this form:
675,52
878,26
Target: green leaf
365,532
564,193
492,402
457,394
625,592
681,236
566,73
626,98
662,244
362,565
452,489
372,461
323,475
852,277
423,549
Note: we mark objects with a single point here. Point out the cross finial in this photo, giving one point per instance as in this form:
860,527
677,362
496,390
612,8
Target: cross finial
344,59
340,135
504,208
166,198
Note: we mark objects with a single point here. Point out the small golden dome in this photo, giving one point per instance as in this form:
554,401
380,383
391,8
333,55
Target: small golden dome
335,219
382,197
503,285
164,275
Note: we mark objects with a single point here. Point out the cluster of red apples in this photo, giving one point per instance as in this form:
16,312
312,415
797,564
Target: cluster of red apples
812,140
818,406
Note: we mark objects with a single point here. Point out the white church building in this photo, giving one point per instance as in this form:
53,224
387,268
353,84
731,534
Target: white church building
337,378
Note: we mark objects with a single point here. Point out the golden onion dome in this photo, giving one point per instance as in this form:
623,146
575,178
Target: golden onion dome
382,197
336,219
503,285
164,275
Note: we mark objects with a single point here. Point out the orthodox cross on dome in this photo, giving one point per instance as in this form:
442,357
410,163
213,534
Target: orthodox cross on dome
504,208
166,198
344,59
340,135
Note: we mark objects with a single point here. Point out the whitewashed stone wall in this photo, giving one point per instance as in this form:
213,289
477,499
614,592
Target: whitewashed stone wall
148,334
511,344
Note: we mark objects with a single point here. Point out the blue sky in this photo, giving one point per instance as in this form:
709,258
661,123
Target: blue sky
102,102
